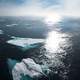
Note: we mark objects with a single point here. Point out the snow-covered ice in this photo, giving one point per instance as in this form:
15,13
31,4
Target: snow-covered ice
24,41
27,67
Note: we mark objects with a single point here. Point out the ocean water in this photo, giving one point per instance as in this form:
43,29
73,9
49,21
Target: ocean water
54,48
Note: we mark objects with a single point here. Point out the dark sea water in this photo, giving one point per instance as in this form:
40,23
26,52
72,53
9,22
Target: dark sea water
60,50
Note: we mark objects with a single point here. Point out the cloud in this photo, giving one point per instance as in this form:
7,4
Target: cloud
17,2
39,7
47,3
28,7
71,8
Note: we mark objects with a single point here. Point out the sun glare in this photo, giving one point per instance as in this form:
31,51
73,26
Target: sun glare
55,42
52,18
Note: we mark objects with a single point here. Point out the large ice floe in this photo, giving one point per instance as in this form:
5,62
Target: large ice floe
25,43
27,69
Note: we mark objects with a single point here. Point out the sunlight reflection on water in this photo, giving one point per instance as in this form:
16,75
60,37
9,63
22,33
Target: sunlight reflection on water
56,44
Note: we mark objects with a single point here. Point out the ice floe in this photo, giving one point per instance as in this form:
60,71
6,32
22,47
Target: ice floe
25,43
27,67
11,25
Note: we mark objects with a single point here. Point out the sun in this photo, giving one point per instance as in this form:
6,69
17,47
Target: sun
52,18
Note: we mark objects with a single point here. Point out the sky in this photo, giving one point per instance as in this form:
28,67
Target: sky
39,7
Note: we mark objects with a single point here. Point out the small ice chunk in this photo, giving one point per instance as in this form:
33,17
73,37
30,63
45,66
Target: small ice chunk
1,31
11,25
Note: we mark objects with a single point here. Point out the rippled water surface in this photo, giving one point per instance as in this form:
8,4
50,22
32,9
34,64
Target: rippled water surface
59,49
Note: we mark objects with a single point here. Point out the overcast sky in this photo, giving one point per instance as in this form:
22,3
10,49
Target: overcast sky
38,7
